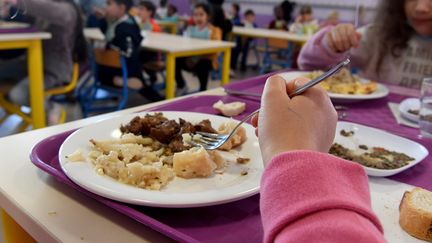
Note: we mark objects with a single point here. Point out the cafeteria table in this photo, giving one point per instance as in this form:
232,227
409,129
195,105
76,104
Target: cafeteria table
32,42
51,211
270,34
177,46
170,26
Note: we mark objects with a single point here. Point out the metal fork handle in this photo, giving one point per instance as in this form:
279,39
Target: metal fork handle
297,91
320,78
240,123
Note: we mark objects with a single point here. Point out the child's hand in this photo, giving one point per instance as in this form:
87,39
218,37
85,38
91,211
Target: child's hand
343,37
305,122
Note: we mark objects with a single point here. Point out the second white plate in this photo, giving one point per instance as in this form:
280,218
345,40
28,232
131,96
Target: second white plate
409,104
382,91
373,137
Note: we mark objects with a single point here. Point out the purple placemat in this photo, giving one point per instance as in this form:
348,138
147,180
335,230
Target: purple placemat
255,85
204,104
233,222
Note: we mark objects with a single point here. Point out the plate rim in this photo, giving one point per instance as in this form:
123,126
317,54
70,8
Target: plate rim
385,91
145,202
404,113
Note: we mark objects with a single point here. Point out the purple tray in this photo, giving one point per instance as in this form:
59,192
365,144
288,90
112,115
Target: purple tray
233,222
255,85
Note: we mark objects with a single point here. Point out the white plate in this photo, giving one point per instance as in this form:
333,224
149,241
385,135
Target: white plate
218,189
382,91
373,137
13,25
408,104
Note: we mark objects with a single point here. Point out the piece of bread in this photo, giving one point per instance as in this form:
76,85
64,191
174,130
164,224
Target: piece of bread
229,109
416,213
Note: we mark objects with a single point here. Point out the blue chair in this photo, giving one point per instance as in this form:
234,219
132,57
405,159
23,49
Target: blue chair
95,97
282,50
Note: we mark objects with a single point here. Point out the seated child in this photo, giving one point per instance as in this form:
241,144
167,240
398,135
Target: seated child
123,34
279,23
146,13
201,66
66,46
242,44
150,60
304,23
394,48
162,10
172,15
235,14
332,20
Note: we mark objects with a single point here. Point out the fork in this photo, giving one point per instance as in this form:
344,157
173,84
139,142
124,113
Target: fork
212,141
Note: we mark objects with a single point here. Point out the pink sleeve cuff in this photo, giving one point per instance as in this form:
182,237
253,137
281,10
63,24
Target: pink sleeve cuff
301,183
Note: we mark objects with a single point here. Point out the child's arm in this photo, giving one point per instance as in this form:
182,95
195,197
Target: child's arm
318,53
216,33
310,196
56,13
126,38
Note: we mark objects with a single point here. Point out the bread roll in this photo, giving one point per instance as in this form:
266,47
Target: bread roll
416,213
230,109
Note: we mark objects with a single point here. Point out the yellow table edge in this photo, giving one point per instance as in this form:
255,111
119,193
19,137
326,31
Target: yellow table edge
170,66
11,230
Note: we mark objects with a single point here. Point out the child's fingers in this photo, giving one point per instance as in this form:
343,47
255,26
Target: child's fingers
254,120
337,40
344,36
274,92
330,42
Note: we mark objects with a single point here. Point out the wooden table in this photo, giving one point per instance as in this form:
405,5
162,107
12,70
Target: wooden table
177,46
33,43
51,212
270,34
171,26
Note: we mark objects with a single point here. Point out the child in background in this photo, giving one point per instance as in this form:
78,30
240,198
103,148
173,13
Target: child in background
172,15
63,20
279,23
395,48
242,44
146,13
235,14
149,59
162,10
201,66
305,23
332,20
123,34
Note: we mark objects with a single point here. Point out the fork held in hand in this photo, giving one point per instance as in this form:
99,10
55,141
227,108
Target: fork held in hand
212,141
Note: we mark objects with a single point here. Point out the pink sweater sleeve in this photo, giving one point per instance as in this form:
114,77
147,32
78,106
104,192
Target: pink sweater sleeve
309,196
316,54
